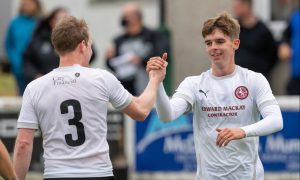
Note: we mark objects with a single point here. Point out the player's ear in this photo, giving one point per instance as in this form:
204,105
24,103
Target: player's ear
82,45
236,44
85,42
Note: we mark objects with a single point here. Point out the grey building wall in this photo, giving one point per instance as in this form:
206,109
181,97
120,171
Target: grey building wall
5,11
185,19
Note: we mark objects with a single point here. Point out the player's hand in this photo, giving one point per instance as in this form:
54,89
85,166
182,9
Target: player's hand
110,53
284,52
225,135
158,67
156,63
135,60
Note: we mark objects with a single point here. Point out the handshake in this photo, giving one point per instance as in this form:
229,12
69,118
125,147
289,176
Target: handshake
156,67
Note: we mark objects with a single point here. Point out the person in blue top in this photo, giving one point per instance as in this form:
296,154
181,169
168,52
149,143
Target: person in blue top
289,49
18,36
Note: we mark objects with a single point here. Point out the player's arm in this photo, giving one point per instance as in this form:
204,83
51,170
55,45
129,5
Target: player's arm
6,168
140,107
23,152
271,122
268,108
167,109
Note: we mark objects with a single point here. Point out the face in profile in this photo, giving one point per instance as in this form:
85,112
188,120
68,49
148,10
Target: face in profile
88,52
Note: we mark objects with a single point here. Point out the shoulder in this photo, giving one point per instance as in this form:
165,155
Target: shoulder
100,75
261,24
43,31
152,32
15,21
263,27
37,40
255,80
41,80
120,38
198,78
248,73
194,78
194,81
36,85
97,71
17,18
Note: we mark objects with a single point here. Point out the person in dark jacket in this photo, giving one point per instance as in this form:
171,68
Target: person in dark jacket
128,58
258,49
40,57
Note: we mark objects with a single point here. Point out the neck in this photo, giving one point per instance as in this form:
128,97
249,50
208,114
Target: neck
223,71
70,59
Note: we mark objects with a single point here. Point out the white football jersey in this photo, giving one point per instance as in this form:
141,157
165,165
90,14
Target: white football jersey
226,102
70,105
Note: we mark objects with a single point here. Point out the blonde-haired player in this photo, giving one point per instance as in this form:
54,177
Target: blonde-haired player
70,104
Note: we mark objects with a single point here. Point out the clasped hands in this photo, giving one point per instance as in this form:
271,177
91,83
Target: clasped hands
156,66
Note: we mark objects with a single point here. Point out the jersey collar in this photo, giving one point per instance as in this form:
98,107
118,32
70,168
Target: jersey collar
224,77
66,68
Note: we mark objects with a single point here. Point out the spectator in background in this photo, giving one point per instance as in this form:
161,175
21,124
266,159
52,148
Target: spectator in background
289,49
18,36
132,49
258,49
40,57
6,168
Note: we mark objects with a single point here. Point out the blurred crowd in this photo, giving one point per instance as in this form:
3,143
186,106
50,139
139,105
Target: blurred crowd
30,54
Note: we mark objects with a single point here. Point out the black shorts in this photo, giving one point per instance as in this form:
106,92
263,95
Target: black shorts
87,178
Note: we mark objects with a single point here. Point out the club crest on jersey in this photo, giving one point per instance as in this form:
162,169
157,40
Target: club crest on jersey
241,92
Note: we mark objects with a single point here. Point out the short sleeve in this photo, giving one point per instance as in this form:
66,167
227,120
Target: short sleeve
262,92
119,97
185,91
27,118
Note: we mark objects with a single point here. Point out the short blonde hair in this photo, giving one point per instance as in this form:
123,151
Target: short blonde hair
224,22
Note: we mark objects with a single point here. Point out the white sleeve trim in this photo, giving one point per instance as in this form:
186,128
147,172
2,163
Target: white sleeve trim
126,103
27,125
271,122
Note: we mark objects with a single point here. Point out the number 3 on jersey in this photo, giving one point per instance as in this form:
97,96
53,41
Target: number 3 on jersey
75,121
